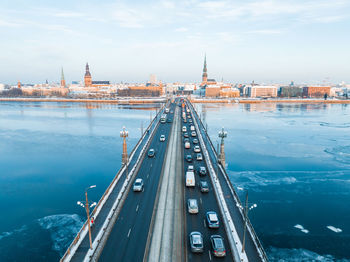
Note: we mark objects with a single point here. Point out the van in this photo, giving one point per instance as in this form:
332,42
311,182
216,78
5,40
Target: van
190,180
184,129
192,128
187,145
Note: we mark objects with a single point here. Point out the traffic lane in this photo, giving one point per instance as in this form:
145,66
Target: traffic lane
127,217
236,215
196,222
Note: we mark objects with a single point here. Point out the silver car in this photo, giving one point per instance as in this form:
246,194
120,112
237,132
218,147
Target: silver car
197,149
138,185
196,242
192,205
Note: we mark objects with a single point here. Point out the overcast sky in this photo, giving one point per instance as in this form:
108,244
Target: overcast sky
262,40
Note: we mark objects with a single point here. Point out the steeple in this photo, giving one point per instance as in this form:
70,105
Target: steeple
63,82
87,77
87,70
205,74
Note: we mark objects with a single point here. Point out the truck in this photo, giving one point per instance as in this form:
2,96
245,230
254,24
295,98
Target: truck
163,118
190,180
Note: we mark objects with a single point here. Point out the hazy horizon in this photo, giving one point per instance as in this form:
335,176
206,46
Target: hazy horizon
266,41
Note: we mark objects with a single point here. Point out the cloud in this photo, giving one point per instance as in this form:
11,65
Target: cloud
5,23
69,14
181,29
266,32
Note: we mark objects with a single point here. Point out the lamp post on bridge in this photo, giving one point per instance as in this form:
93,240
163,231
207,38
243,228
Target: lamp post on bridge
245,210
87,208
124,134
222,135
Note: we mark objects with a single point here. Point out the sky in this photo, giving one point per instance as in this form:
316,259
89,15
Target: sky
268,41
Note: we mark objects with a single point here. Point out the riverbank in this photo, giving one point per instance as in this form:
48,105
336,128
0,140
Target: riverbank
152,100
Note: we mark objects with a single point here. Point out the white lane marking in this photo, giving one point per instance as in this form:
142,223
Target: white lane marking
137,208
200,200
204,222
147,175
151,164
129,232
209,255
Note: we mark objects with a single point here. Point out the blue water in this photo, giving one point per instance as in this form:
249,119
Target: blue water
49,153
294,160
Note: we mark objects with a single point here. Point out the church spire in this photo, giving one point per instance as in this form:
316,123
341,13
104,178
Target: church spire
205,74
87,70
87,77
63,82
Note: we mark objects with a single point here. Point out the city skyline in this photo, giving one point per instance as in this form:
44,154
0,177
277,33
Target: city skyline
265,41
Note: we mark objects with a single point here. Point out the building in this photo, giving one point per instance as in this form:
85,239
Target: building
291,91
205,74
141,90
87,77
261,91
316,91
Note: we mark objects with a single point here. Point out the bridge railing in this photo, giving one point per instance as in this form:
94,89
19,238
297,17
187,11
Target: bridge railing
83,231
234,193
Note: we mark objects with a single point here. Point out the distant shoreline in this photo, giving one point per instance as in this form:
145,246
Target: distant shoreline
151,100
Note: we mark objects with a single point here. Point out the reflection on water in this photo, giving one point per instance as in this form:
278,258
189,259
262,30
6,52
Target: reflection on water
294,160
49,153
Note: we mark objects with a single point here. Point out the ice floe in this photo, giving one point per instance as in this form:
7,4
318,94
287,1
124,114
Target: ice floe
334,229
302,229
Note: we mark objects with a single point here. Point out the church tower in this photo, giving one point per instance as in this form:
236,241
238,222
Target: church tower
205,74
63,82
87,77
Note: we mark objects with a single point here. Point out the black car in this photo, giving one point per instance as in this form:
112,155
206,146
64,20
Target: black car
204,186
188,158
218,246
169,120
202,170
186,140
151,153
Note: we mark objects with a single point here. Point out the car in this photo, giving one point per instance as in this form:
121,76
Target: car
195,141
190,168
188,116
204,186
199,157
189,158
189,120
212,219
186,140
162,138
197,149
202,170
185,121
184,129
186,134
187,145
151,153
192,206
218,246
171,112
193,134
196,242
192,128
169,120
138,185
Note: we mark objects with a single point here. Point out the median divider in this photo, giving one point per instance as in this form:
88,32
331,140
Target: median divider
84,230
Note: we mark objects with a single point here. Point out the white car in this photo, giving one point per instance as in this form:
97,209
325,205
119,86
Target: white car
197,149
192,205
162,138
138,185
193,134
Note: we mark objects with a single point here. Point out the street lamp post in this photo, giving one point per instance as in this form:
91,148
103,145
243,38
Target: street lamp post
222,135
124,134
245,210
87,208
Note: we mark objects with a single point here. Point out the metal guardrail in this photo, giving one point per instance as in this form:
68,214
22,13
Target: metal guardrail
233,191
83,231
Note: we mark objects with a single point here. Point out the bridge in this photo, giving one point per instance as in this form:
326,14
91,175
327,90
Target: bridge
155,224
